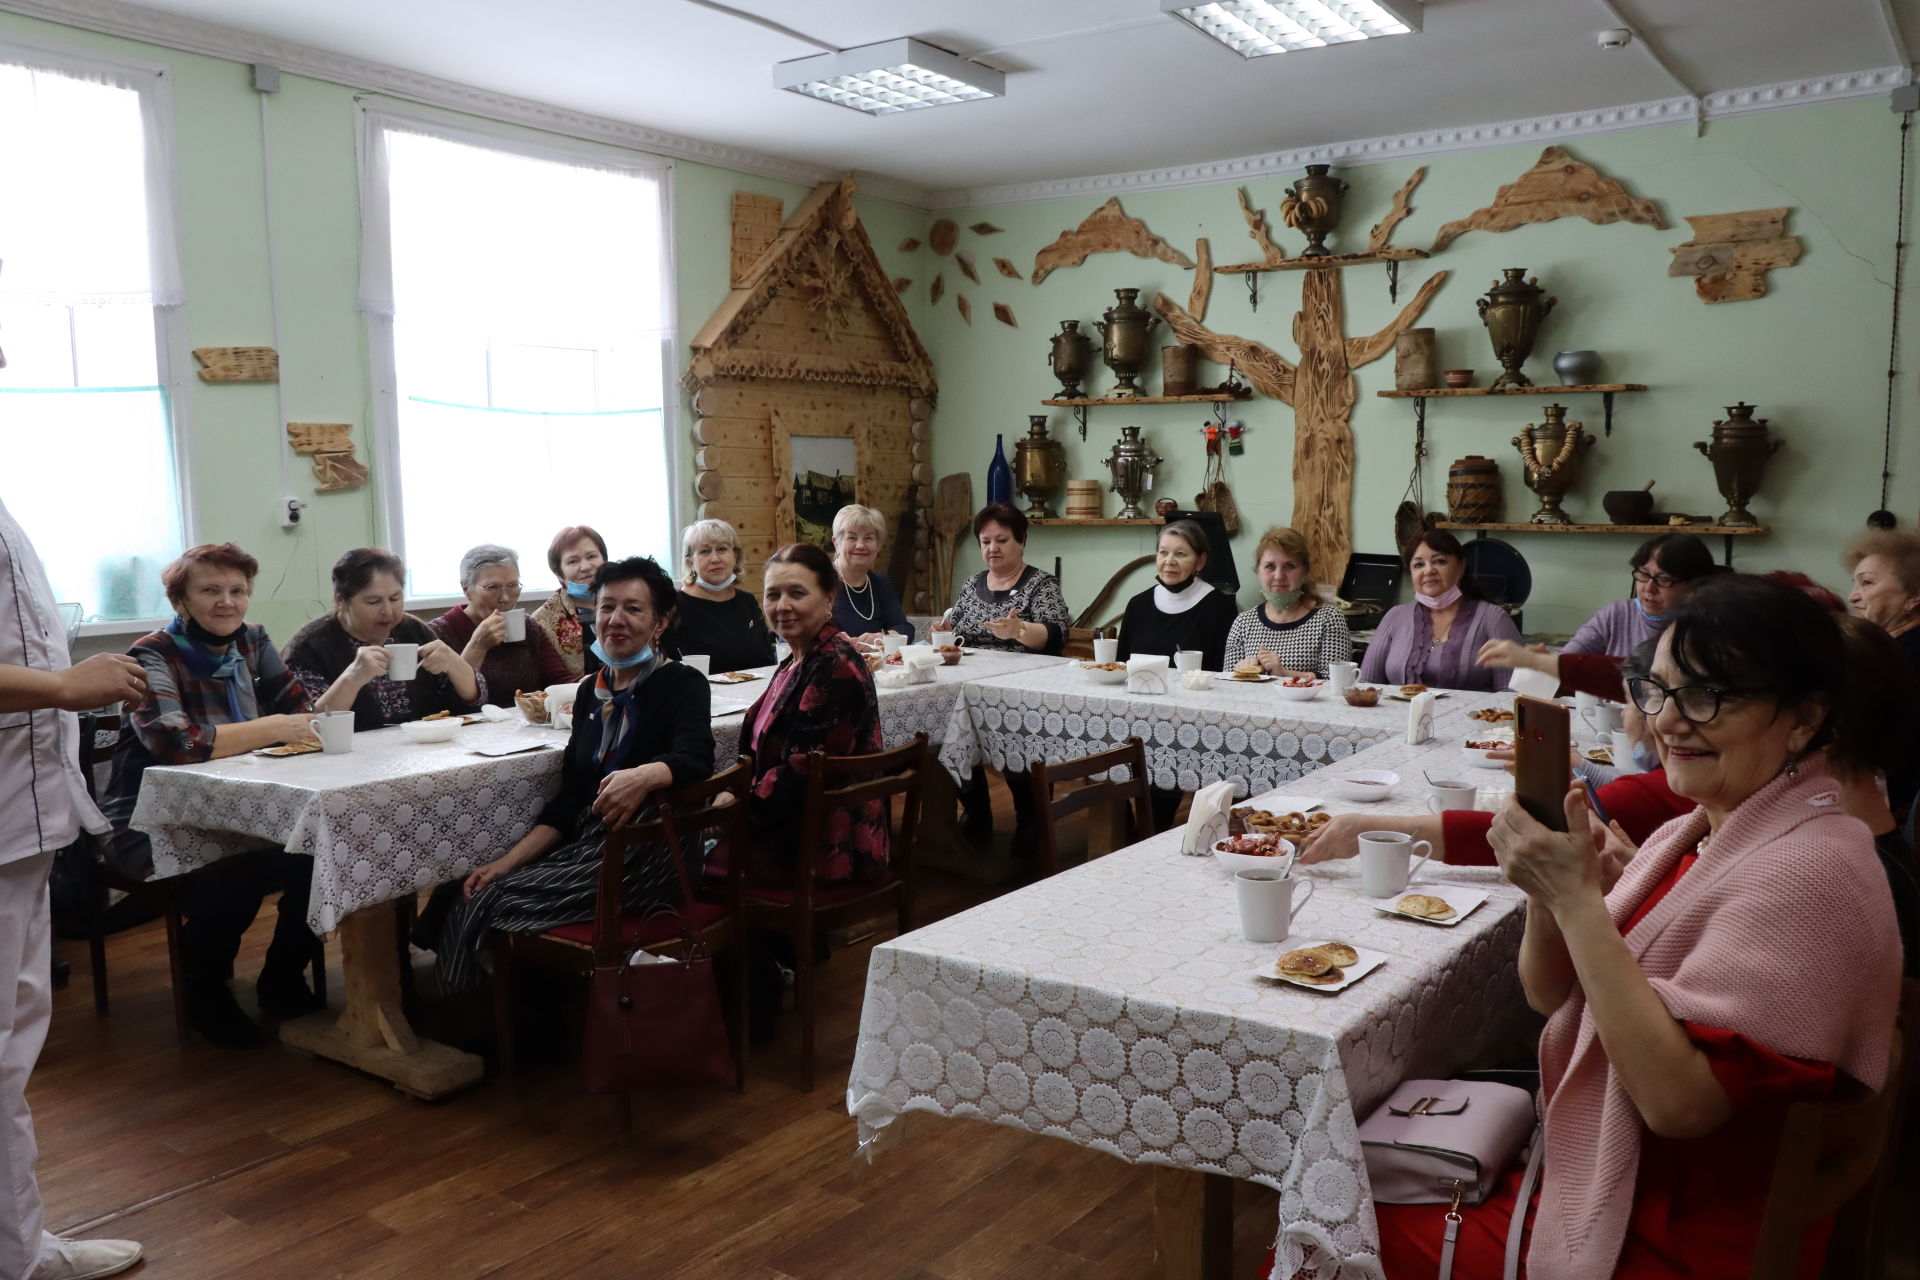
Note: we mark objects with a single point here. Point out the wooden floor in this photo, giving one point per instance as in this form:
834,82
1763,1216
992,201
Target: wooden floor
265,1164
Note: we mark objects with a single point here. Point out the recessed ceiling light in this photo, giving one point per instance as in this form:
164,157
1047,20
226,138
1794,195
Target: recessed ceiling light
895,75
1255,28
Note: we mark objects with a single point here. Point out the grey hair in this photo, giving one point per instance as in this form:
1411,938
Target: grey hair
854,515
1189,532
483,557
708,530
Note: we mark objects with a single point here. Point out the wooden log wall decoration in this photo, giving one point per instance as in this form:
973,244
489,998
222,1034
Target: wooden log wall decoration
329,446
1008,269
943,236
756,221
1257,228
985,229
1383,229
967,267
1107,229
1202,279
1731,253
1558,186
238,364
1320,389
1004,314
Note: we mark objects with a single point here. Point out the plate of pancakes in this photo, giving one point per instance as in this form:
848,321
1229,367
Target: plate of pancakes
1323,966
1442,904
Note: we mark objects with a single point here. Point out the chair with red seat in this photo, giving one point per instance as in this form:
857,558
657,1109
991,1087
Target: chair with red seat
806,909
716,805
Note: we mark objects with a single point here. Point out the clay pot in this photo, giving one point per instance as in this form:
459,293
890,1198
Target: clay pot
1628,506
1457,378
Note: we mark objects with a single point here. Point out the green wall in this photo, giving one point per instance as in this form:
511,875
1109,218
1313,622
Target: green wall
1811,353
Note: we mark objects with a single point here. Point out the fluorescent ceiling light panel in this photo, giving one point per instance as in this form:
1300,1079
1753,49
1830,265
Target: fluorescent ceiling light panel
895,75
1256,28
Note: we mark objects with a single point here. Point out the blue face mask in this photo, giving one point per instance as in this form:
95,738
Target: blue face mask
1645,758
1650,617
579,590
721,585
621,664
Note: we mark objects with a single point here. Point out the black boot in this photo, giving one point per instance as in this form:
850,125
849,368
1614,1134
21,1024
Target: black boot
216,1015
284,993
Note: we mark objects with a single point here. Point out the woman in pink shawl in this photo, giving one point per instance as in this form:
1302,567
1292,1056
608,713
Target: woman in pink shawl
1748,958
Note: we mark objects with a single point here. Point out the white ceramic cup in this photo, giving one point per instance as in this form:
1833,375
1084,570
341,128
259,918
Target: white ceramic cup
1623,751
335,731
1344,675
1267,905
403,661
1186,659
516,625
1493,799
1106,650
891,642
1603,718
1448,794
698,661
1387,865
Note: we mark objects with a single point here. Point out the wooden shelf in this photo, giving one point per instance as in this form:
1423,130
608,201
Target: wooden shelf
1322,263
1102,522
1708,530
1082,402
1432,393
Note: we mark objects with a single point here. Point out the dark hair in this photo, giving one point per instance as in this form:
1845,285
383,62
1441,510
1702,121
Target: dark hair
353,571
1189,532
808,556
1752,635
1876,674
1447,545
1819,594
1683,557
1002,513
566,538
213,555
645,568
1640,661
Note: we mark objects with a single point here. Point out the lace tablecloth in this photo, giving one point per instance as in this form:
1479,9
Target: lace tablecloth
1116,1005
1246,732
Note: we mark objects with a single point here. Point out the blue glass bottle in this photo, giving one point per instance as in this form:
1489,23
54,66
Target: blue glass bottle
999,474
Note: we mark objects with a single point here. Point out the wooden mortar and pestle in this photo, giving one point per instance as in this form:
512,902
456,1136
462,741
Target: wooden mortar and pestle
1629,506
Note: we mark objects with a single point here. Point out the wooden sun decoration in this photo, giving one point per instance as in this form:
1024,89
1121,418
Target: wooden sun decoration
1006,268
966,308
1107,229
943,235
1558,186
238,364
1004,314
1319,387
815,343
967,265
1731,253
985,229
329,445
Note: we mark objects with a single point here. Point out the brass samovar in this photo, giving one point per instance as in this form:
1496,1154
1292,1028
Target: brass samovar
1739,454
1512,311
1039,467
1124,328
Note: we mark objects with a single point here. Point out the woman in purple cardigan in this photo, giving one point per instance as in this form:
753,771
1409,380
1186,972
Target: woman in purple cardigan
1664,569
1433,641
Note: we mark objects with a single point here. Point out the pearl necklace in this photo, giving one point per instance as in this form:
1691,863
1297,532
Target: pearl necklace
867,590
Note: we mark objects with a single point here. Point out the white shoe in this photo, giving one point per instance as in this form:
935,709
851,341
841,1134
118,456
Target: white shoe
84,1259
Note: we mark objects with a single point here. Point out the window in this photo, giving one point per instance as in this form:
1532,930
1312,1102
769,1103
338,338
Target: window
521,293
89,299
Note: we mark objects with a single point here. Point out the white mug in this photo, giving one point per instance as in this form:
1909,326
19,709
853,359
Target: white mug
1266,904
403,661
1386,862
1603,718
891,642
1623,752
1185,659
1106,650
1344,675
1446,794
1493,799
335,731
698,661
516,625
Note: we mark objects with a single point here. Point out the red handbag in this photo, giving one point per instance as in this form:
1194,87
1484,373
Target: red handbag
657,1025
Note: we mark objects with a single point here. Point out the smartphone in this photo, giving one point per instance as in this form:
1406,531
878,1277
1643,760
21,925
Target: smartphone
1541,770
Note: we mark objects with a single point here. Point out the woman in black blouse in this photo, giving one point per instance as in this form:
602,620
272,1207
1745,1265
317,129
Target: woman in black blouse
1009,604
1182,610
714,615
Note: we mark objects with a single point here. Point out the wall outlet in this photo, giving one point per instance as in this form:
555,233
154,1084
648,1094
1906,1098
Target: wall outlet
290,509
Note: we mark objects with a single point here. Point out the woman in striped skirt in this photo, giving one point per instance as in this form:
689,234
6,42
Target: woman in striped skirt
640,725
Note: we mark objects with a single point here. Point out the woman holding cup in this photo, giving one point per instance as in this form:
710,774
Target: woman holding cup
1291,632
371,657
491,630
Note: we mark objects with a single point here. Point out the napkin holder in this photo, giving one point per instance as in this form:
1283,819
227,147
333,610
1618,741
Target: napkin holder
1147,672
1207,819
921,661
1420,718
560,699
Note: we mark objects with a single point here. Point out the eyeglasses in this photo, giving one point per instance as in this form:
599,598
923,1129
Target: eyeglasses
1698,703
1659,580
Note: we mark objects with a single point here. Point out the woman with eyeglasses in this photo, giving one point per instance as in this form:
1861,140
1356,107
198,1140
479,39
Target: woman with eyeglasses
1665,567
1739,964
490,579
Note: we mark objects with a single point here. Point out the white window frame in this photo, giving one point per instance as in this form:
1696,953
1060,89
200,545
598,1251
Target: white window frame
173,357
376,275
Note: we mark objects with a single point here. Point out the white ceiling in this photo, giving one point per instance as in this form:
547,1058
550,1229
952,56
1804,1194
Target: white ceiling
1094,86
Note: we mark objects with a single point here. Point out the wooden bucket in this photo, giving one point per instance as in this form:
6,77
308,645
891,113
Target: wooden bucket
1473,490
1178,370
1083,499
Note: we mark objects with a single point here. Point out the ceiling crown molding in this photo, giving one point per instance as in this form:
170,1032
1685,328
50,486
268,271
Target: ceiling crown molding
152,26
1638,115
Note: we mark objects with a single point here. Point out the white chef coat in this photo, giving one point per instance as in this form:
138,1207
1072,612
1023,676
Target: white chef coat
43,796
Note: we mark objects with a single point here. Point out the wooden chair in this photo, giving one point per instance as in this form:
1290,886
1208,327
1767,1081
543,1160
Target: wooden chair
1836,1159
1049,811
715,805
808,909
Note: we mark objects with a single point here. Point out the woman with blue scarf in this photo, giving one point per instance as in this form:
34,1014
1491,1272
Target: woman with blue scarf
217,687
1665,567
575,555
641,724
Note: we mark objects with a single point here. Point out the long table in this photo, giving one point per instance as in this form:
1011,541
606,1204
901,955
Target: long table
1116,1006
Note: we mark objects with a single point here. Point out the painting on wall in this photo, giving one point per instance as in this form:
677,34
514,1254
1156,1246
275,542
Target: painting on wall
823,482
